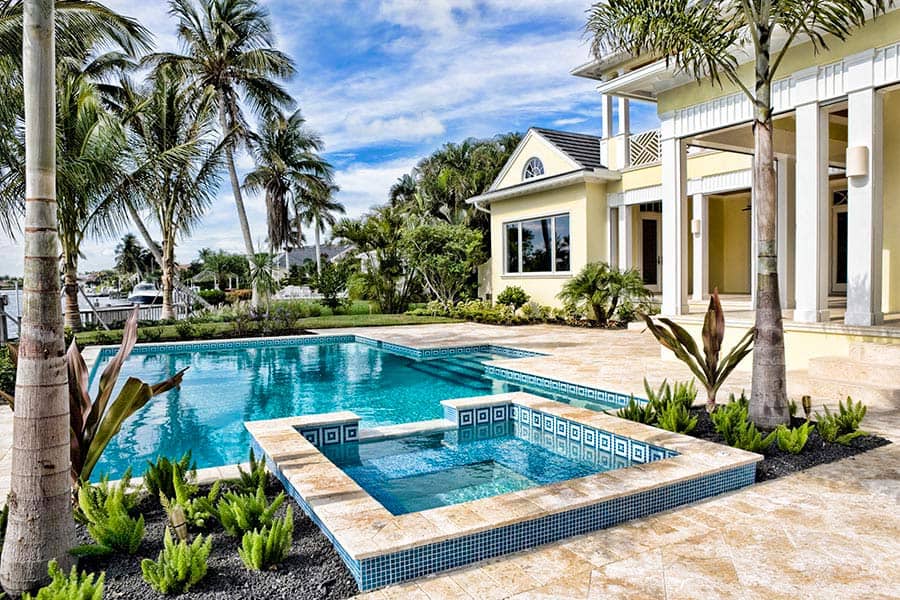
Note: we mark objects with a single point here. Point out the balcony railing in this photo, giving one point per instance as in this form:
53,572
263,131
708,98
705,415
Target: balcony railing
643,148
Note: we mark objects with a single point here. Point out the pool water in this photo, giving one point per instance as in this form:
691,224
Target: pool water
422,471
223,388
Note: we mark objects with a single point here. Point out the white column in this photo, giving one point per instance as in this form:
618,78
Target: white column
674,227
625,238
864,212
612,239
786,224
606,115
812,208
625,130
700,232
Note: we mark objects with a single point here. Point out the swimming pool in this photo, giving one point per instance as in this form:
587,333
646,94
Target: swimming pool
228,383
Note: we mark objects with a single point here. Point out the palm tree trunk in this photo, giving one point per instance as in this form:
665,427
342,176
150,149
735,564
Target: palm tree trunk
142,229
318,252
168,277
238,197
40,525
73,311
768,400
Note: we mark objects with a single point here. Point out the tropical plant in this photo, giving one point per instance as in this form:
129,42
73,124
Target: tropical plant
264,549
841,427
255,478
240,513
793,439
708,368
710,40
74,586
733,424
262,276
602,287
682,393
188,510
229,49
108,524
445,256
332,282
103,493
642,412
131,257
159,477
318,209
289,170
179,566
514,296
675,417
175,160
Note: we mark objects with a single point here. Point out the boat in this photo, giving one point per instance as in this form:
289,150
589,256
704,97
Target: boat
145,293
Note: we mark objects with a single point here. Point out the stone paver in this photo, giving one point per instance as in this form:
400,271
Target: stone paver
830,532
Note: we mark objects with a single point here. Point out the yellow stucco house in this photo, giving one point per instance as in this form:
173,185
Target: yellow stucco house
675,203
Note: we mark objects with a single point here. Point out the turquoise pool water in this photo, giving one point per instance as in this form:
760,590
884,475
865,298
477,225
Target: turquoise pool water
225,387
422,471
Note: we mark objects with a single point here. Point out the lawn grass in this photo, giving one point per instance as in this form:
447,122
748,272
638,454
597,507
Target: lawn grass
202,331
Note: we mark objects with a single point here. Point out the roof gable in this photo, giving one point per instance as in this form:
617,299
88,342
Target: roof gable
559,152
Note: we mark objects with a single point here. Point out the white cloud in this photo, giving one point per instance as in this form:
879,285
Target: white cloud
569,121
365,185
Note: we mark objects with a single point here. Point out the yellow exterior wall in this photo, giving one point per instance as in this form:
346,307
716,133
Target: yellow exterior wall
700,165
891,193
729,244
880,32
554,161
586,206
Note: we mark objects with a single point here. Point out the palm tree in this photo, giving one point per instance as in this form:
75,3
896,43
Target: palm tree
319,210
707,39
40,527
288,167
603,289
130,256
229,51
176,160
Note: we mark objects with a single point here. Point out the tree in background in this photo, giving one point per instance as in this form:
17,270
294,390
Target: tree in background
319,209
332,282
445,257
709,39
229,49
224,266
40,526
130,256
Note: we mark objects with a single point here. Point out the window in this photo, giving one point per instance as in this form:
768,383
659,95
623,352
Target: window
538,245
533,168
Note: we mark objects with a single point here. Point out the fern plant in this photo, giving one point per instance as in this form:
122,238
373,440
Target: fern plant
179,566
240,513
99,494
793,439
256,478
74,586
108,522
733,424
264,549
199,512
159,476
637,411
675,417
841,427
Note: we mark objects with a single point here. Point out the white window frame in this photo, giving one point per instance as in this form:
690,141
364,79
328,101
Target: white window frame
528,162
518,223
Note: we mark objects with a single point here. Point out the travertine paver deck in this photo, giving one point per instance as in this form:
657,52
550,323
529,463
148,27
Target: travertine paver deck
830,532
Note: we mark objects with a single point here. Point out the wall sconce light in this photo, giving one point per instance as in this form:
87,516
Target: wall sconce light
696,226
857,161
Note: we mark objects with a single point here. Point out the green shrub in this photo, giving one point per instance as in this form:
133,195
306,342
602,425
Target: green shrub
793,439
513,295
74,586
150,334
240,513
186,510
185,329
675,417
256,478
158,478
841,427
214,296
100,494
600,289
638,411
7,372
179,566
108,522
732,423
264,549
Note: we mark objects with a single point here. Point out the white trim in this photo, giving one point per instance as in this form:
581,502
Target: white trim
531,133
541,184
519,221
719,183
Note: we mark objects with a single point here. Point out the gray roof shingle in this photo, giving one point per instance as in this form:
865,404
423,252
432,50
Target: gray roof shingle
580,147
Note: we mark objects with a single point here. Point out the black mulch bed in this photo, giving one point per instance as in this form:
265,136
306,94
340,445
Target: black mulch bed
312,570
778,463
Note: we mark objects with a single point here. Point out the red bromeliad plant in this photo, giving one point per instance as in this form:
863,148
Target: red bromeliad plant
95,422
707,368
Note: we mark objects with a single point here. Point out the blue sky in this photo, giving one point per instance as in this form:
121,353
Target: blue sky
385,82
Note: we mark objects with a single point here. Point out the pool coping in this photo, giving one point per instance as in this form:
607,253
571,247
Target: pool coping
364,532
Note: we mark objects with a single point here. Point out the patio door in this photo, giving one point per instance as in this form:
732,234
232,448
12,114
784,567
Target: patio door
839,239
651,258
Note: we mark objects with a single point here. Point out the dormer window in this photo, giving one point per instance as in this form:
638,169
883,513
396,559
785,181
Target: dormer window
533,168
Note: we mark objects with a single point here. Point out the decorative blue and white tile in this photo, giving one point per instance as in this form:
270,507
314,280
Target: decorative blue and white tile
331,435
575,432
482,415
604,441
638,452
466,417
498,413
351,433
312,436
589,437
620,446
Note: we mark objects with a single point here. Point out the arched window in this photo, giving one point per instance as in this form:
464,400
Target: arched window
533,168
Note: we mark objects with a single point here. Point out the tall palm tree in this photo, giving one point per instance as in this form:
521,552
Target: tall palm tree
319,210
707,39
130,256
176,160
40,527
288,166
229,49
